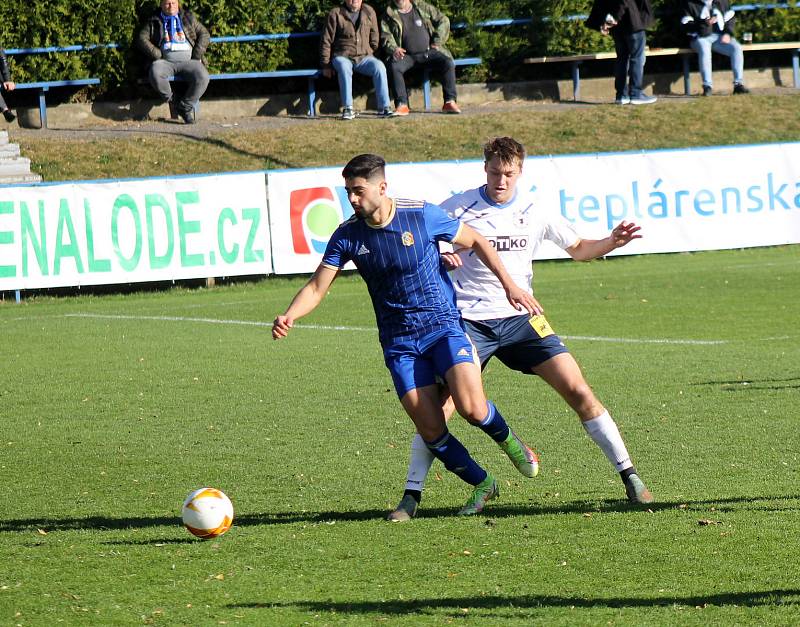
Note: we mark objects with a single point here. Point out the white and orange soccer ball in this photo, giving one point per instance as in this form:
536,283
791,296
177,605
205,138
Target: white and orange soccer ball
207,513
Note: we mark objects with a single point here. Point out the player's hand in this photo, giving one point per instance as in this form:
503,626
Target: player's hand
281,326
327,72
624,232
725,38
451,261
9,86
521,299
398,53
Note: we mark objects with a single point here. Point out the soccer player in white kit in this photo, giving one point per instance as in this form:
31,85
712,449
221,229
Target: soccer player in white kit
507,218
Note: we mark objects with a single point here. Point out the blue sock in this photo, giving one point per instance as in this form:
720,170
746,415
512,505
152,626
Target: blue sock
456,458
494,425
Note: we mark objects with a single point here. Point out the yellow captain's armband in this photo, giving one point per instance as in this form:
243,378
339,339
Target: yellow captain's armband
541,326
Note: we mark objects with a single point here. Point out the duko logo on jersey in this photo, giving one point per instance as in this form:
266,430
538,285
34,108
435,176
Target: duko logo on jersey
509,243
314,214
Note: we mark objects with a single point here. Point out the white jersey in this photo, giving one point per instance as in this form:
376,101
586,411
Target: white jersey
515,230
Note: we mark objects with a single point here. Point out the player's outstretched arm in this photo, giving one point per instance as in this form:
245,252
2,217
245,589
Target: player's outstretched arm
305,301
520,298
621,235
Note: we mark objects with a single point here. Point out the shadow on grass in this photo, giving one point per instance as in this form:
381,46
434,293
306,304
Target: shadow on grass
159,542
108,523
743,385
269,159
534,601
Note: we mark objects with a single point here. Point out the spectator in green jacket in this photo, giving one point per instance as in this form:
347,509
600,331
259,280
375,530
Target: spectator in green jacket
413,33
175,43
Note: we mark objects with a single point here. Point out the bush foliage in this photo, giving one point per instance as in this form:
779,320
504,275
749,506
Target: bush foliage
553,30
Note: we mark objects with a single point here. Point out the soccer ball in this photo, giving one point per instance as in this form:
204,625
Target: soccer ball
207,513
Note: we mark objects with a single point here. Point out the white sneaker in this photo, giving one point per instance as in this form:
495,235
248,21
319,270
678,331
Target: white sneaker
622,100
643,99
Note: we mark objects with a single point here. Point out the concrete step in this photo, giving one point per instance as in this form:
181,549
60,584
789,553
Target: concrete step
16,179
9,151
20,165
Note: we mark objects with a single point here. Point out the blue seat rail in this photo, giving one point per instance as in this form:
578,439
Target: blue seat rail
686,55
426,78
42,87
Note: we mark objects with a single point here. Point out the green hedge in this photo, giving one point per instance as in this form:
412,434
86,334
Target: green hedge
64,22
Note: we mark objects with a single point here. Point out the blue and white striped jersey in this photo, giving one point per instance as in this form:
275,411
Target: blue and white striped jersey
399,260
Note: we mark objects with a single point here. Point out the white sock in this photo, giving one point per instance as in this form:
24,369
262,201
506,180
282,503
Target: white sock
419,464
603,430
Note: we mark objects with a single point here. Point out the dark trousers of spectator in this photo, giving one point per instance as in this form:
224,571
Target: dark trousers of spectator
629,67
3,105
439,63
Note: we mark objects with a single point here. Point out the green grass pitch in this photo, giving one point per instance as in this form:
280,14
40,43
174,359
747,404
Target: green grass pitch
115,407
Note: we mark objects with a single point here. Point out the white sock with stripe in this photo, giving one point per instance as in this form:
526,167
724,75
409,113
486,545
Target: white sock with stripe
419,464
604,432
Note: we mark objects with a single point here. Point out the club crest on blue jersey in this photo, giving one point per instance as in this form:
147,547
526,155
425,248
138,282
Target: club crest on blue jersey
408,238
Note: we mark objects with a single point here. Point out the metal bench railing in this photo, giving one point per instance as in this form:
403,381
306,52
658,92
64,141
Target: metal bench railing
42,87
686,54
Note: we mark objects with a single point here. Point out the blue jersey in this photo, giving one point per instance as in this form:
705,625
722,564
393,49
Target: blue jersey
399,261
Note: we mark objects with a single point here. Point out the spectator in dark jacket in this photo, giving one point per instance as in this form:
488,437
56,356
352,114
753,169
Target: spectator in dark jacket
626,21
175,42
710,24
349,41
8,85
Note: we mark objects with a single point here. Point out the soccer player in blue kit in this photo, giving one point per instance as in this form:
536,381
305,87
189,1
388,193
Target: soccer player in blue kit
394,245
506,216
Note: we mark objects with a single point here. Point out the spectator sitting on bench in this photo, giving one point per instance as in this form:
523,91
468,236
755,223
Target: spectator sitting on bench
710,24
349,40
414,32
175,42
8,85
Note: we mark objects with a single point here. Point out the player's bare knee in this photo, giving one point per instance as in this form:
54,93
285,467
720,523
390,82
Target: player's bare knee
473,410
465,409
580,395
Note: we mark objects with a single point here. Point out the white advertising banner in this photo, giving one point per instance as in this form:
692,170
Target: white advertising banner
306,206
685,200
130,231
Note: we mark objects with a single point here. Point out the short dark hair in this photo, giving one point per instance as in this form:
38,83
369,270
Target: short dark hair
365,166
507,149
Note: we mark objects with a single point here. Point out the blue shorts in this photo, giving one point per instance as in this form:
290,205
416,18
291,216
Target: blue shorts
520,342
417,363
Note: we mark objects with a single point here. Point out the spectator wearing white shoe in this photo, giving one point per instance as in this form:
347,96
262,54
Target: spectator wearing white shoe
626,21
710,25
348,44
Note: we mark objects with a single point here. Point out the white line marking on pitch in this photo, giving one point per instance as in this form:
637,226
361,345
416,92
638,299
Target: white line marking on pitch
322,327
249,323
627,340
